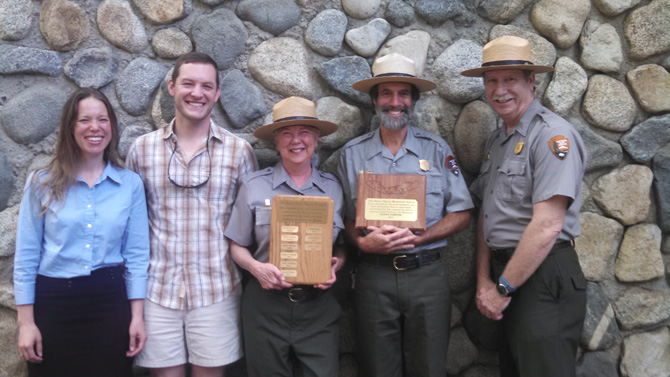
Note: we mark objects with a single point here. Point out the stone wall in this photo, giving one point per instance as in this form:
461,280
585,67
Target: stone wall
611,81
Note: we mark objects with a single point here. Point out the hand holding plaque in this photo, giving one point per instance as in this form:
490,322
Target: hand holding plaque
301,237
391,199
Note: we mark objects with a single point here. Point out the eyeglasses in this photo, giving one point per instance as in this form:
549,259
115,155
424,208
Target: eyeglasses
185,175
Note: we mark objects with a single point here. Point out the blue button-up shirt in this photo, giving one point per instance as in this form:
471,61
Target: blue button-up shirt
97,227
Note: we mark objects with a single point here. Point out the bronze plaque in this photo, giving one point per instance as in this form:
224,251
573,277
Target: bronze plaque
301,237
391,199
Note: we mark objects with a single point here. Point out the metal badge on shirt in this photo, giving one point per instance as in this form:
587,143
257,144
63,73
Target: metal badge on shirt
424,165
559,145
452,165
518,148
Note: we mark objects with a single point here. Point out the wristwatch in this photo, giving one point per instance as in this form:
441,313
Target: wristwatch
504,288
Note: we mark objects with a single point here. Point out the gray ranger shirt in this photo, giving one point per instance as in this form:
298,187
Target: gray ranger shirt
542,157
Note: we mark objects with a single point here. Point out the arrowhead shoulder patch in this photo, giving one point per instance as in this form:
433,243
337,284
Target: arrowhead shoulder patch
560,146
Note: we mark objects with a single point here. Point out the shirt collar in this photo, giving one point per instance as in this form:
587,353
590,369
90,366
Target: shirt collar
280,176
411,143
526,118
109,172
214,131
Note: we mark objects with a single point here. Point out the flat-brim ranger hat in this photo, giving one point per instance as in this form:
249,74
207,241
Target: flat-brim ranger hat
393,68
507,52
294,111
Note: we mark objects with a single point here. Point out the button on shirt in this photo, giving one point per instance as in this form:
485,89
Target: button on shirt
446,191
253,209
97,227
190,266
520,170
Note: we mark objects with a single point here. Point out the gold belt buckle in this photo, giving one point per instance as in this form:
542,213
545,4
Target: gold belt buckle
395,265
290,294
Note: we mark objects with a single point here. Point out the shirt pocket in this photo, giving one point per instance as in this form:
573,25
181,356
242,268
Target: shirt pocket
434,198
263,216
512,183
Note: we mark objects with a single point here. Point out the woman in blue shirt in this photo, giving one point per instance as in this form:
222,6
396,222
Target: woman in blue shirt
82,251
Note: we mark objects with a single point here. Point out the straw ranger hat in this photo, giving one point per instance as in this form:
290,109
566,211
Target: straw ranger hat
507,52
294,111
393,68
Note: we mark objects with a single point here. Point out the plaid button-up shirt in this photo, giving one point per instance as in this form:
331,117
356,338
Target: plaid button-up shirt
190,266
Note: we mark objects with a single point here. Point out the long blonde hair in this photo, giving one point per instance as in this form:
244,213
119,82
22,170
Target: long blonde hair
53,181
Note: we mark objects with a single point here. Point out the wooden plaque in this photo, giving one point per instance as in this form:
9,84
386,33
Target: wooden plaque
391,199
301,237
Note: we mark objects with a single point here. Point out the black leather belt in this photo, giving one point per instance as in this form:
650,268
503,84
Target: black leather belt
300,293
402,262
504,255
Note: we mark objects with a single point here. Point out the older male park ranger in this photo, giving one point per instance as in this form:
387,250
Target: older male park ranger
401,293
529,277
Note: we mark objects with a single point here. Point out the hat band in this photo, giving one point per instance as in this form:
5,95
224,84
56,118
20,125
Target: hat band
394,74
507,62
295,118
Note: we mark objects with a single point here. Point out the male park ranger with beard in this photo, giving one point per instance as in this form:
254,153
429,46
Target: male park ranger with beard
401,293
530,185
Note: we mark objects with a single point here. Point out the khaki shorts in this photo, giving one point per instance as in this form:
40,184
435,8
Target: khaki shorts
207,336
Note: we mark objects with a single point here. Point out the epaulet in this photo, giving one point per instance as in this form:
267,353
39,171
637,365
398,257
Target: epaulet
359,139
552,119
258,173
418,132
326,175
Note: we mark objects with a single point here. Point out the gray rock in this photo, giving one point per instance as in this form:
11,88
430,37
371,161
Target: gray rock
7,179
266,157
461,263
644,140
665,246
325,32
137,83
399,13
639,308
666,62
598,364
129,134
501,11
624,194
451,85
120,26
347,117
360,9
171,43
221,35
273,16
413,45
614,7
543,51
163,111
162,12
647,29
14,59
639,256
33,114
241,100
474,125
341,73
600,328
15,19
560,21
482,371
93,67
567,86
438,116
435,12
212,2
598,244
11,363
282,65
651,87
647,354
63,24
661,166
366,39
462,352
605,93
602,153
7,295
601,47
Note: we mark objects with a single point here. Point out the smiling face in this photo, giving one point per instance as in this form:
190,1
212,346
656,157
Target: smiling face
509,92
296,145
394,104
92,128
195,93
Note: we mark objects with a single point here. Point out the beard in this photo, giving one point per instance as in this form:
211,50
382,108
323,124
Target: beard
393,123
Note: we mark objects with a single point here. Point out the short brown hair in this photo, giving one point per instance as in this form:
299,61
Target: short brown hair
194,57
